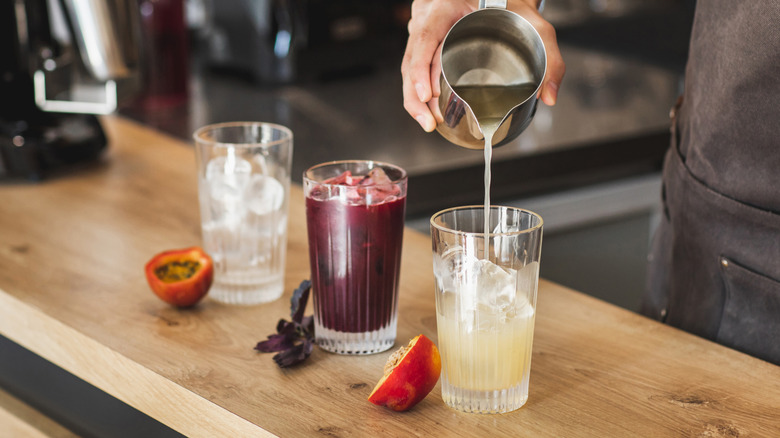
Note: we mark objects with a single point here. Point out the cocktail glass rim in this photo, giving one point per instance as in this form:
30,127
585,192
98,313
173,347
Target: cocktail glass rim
480,233
199,134
371,163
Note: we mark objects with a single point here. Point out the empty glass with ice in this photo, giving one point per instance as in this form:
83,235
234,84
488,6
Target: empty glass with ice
486,304
243,186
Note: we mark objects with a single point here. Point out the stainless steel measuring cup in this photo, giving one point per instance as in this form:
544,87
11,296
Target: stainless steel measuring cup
491,46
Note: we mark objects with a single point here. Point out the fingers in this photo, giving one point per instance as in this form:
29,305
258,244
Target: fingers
415,71
421,66
436,72
555,65
420,69
420,61
556,68
433,105
417,109
413,105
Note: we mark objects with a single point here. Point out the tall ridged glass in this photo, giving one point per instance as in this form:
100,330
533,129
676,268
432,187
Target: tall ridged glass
486,305
355,223
244,191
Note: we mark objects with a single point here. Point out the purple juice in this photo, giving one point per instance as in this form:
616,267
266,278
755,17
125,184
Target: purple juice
355,223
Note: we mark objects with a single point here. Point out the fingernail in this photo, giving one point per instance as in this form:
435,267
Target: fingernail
553,93
424,122
420,92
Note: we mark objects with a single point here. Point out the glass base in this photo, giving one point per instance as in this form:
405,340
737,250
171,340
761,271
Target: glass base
372,342
484,402
247,294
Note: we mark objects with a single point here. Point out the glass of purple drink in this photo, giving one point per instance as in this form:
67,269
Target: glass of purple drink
355,220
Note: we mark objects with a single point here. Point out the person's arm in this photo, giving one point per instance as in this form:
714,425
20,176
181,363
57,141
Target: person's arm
430,22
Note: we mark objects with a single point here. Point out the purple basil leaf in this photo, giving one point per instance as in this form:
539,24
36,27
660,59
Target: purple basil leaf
287,328
294,340
294,355
275,343
299,299
308,326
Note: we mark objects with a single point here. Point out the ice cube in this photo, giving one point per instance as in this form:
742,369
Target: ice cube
226,190
352,196
345,179
264,199
453,269
228,165
485,291
377,187
376,177
264,194
527,283
227,179
480,294
496,285
523,309
373,188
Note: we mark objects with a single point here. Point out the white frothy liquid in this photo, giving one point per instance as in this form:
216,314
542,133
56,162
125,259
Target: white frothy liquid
490,103
488,131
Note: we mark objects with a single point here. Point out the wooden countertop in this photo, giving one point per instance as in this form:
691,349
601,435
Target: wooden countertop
72,290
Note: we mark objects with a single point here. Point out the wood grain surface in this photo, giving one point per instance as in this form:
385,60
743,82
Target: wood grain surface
72,290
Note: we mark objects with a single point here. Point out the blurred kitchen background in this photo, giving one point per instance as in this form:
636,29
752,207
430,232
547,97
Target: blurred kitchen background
330,71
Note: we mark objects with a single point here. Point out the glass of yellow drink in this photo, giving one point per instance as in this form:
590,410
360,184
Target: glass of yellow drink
486,282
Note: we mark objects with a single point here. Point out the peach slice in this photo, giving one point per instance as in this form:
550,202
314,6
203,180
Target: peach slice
410,374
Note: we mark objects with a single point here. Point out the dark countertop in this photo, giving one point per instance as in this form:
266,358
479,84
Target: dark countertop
611,120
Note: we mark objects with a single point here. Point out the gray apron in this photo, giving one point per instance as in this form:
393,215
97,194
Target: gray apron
715,260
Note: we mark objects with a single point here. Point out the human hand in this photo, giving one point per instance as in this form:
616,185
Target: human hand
421,66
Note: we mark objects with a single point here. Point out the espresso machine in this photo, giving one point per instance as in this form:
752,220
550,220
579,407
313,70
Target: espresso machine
62,62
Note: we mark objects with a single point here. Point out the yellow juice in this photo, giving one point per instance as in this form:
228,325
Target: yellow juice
493,352
485,350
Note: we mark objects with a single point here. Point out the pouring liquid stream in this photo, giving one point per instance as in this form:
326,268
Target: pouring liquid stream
490,104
